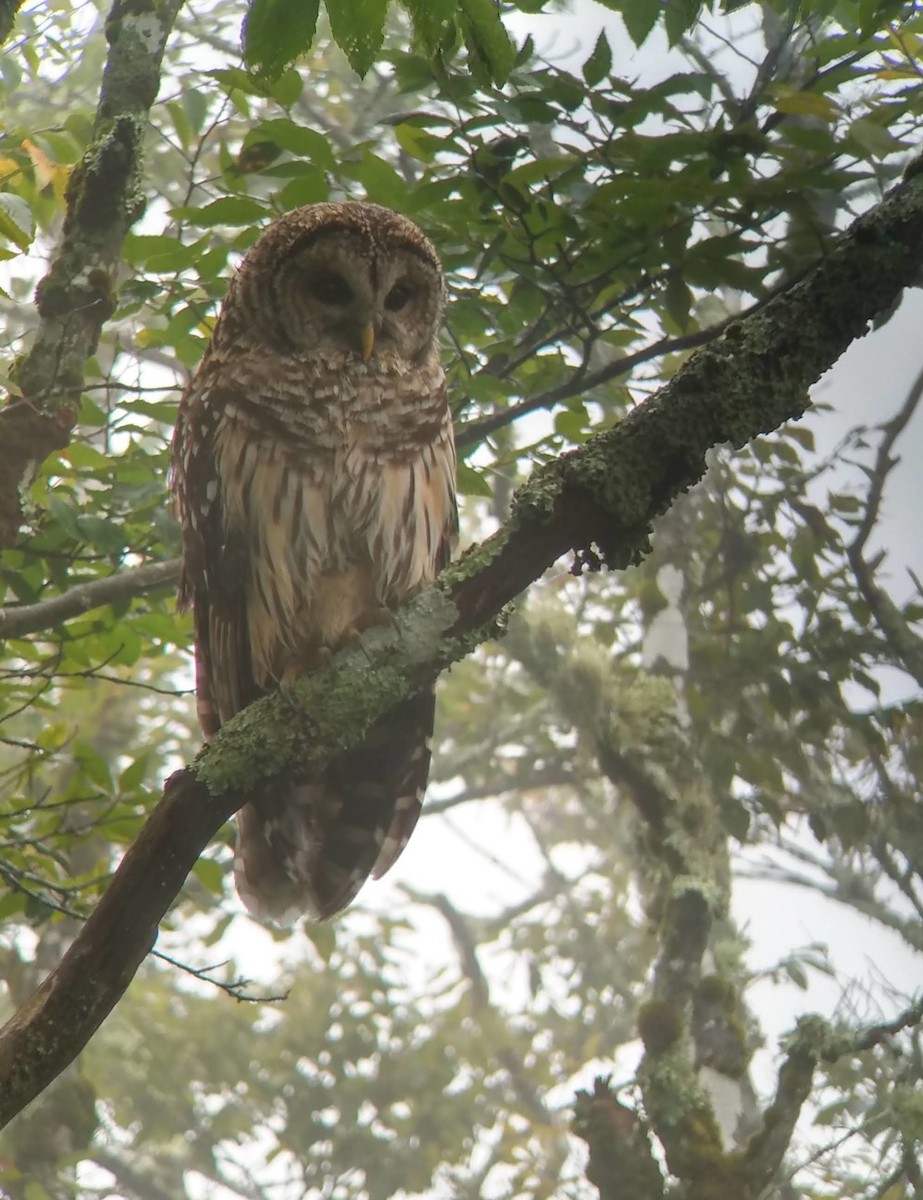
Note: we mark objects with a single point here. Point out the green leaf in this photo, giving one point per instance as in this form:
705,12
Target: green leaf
94,766
229,210
492,53
430,20
296,139
638,16
472,482
309,188
10,904
16,221
419,143
572,423
134,774
102,533
873,138
158,252
678,301
322,936
358,28
210,874
679,18
382,183
735,818
599,64
275,32
62,509
287,88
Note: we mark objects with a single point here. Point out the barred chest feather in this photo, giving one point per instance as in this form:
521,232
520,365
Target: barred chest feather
346,502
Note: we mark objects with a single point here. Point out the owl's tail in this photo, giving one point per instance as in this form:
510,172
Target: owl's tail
308,846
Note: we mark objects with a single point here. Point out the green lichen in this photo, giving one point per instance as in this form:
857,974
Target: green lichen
333,709
682,1116
661,1025
104,192
643,717
721,1032
325,713
537,499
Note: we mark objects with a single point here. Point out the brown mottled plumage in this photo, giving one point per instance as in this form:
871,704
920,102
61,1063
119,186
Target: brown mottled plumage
314,469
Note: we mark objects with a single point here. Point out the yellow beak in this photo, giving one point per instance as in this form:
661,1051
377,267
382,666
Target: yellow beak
368,339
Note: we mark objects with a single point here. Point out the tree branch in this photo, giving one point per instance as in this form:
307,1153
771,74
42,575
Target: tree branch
76,297
481,1003
607,493
33,618
896,630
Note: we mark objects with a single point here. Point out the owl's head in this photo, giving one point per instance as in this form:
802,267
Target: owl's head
351,277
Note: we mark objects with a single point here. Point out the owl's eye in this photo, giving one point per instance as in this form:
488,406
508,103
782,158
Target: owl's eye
331,288
398,297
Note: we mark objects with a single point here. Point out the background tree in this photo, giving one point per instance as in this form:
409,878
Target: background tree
605,767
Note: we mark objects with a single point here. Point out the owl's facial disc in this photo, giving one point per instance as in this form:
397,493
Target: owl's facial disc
368,300
348,312
347,306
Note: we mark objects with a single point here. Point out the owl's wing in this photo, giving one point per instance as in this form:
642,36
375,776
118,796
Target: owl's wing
310,843
214,572
410,726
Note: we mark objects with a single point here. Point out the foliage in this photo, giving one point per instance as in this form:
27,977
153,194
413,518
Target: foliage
598,221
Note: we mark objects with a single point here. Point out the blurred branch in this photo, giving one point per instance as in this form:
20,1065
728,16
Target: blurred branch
621,1164
846,885
76,297
885,462
813,1042
905,643
123,585
605,495
766,1150
553,775
467,950
876,1035
582,382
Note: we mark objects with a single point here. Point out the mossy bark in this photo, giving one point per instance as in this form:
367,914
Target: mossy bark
104,198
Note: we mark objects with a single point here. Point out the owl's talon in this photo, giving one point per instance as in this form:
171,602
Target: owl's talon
374,618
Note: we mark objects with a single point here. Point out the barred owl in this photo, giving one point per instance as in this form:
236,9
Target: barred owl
314,471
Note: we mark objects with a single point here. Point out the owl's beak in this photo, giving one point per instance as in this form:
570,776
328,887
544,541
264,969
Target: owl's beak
367,340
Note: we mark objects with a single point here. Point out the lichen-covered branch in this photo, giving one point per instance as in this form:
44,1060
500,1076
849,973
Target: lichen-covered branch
606,494
691,1024
104,198
621,1164
767,1148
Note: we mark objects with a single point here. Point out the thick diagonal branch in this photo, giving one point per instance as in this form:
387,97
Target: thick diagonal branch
605,494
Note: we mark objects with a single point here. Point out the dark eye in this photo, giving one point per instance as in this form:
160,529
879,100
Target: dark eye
398,297
330,288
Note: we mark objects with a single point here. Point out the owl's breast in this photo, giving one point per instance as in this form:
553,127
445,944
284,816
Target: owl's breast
345,495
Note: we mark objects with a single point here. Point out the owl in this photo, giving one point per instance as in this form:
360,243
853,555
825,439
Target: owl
314,474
